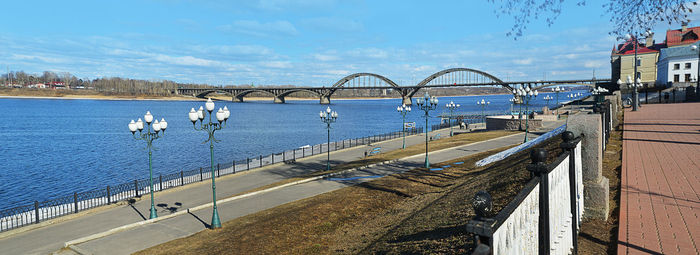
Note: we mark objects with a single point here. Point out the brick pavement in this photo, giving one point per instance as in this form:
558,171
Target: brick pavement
660,198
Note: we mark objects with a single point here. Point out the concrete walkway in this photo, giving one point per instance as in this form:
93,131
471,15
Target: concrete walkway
52,237
660,198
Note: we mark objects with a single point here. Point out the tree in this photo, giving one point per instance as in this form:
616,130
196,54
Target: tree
627,16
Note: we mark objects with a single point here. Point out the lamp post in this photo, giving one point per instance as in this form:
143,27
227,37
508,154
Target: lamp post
637,79
483,103
547,98
519,100
634,85
527,94
149,136
403,110
512,101
694,47
328,117
210,127
557,90
427,103
451,106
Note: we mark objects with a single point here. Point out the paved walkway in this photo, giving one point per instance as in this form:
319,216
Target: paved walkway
52,237
660,199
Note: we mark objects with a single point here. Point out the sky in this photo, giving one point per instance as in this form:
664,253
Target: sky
298,42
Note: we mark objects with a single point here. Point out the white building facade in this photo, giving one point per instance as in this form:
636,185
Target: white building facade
677,65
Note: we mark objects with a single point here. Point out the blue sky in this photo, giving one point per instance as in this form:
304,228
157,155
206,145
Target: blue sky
299,42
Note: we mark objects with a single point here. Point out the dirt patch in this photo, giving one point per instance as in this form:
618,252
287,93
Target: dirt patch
598,236
418,211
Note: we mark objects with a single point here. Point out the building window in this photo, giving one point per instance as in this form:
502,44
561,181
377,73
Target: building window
676,78
676,66
687,65
639,75
639,62
687,77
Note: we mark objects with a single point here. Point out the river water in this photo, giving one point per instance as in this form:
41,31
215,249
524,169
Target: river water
54,147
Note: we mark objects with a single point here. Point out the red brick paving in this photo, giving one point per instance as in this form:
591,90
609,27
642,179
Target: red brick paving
660,198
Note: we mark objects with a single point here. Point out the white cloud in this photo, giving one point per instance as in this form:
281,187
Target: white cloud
526,61
594,63
268,29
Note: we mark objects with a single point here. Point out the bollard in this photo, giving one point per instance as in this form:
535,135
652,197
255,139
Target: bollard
109,196
539,169
75,202
569,145
36,212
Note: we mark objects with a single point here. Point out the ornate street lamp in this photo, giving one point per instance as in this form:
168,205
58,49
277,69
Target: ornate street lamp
512,101
427,103
547,98
694,47
527,94
328,117
149,136
403,110
637,80
451,106
210,127
557,90
634,85
483,103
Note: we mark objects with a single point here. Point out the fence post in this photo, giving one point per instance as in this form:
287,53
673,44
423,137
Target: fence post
109,196
200,175
234,166
136,187
569,145
161,182
284,156
182,178
36,212
75,202
218,166
260,161
247,163
539,169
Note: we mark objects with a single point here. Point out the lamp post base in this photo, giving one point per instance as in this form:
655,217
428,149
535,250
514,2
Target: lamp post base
153,212
427,163
215,221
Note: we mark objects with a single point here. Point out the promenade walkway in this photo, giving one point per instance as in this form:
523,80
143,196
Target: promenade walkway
52,237
660,198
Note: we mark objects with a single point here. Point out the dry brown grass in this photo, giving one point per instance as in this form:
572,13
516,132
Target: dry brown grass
416,211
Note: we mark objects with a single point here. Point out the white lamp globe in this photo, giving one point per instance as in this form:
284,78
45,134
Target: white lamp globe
148,117
227,112
156,126
139,124
694,47
200,113
209,104
220,115
334,114
328,110
639,81
408,108
457,105
193,115
486,103
536,93
163,124
320,114
398,108
132,126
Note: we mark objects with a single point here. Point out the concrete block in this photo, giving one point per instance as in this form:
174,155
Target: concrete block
596,187
596,199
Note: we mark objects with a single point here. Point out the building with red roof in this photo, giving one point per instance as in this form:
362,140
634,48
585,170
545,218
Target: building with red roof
683,36
623,63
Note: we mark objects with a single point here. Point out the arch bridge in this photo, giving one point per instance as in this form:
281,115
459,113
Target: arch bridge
370,84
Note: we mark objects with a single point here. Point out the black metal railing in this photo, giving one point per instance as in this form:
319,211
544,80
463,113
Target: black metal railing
36,212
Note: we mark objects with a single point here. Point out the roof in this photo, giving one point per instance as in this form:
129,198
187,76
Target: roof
628,46
677,37
684,51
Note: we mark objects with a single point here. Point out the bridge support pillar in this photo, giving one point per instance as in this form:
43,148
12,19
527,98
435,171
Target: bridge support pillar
325,100
238,99
279,100
406,100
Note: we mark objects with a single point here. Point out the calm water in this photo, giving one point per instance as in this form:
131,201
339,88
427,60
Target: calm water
53,147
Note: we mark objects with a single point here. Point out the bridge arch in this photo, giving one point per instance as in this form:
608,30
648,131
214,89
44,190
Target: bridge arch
592,85
346,79
479,74
207,92
287,93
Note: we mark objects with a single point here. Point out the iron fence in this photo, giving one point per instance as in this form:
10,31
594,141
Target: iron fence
36,212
